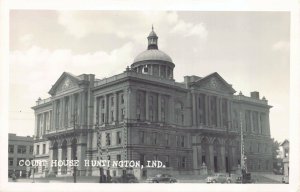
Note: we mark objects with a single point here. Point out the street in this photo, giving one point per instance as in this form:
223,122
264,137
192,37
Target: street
257,178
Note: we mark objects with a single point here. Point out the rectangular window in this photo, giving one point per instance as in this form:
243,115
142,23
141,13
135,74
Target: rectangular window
112,116
167,139
21,149
11,148
122,114
167,163
102,117
183,162
37,149
66,111
102,103
108,140
10,161
154,138
142,159
44,148
177,141
119,137
142,137
122,98
108,157
31,149
118,157
18,161
112,101
138,114
182,141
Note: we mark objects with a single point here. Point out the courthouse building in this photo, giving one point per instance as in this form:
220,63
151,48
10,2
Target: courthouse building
144,114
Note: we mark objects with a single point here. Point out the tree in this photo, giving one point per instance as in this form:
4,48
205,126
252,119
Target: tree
275,154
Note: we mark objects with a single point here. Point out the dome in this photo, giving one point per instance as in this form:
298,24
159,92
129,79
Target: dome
153,54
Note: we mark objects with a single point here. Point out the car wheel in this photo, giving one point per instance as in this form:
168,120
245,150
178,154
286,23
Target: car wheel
228,181
213,181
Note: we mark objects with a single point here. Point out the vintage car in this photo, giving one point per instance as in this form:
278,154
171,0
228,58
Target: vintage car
161,178
218,178
126,178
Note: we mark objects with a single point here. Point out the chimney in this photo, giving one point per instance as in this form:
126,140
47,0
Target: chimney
254,95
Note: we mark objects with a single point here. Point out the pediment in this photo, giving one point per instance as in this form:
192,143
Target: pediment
64,83
214,82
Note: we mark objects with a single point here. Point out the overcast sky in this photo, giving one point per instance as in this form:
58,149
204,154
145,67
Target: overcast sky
250,50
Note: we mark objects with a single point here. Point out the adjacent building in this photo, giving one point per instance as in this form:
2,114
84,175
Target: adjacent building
285,157
193,127
19,148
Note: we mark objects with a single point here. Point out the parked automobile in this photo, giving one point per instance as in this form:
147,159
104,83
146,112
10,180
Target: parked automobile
218,178
234,178
126,178
162,178
285,179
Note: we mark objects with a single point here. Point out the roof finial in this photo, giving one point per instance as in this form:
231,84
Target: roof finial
152,28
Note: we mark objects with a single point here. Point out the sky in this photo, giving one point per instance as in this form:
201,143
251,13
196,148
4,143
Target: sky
250,50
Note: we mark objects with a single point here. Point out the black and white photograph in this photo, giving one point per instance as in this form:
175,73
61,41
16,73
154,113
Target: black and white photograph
103,97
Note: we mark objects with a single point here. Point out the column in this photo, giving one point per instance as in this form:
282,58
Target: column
223,159
221,113
194,106
218,111
126,95
229,120
69,157
210,165
59,158
147,105
171,109
206,110
259,125
195,152
50,159
151,72
159,107
166,67
53,116
62,101
159,71
251,122
81,151
116,106
209,111
106,109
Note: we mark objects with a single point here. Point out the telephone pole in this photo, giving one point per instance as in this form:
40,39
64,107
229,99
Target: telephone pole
74,147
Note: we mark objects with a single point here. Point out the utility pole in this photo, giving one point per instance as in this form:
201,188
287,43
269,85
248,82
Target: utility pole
74,146
227,146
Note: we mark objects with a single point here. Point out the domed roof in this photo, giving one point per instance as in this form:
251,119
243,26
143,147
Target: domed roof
153,54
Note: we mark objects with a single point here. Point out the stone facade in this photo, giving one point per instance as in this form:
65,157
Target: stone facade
143,114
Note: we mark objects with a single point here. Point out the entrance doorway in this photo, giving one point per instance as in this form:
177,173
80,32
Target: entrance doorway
227,165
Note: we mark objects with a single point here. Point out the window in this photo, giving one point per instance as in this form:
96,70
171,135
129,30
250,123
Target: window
155,157
102,117
167,163
31,149
122,114
18,161
44,148
182,141
154,138
167,139
21,149
108,139
151,114
112,116
142,137
183,162
122,99
142,159
37,149
102,104
138,114
118,157
10,161
11,148
112,101
177,141
119,137
108,157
